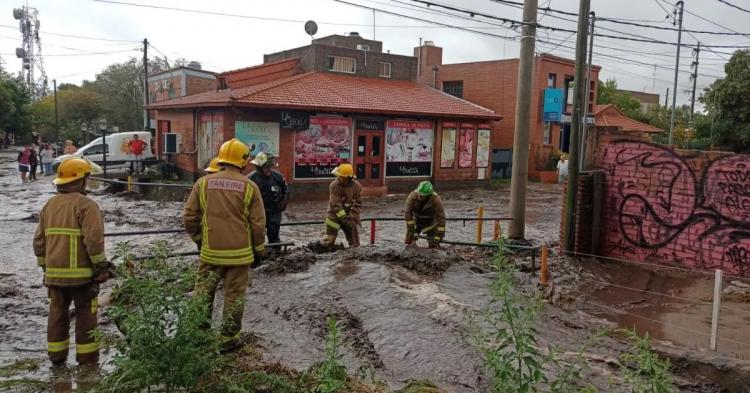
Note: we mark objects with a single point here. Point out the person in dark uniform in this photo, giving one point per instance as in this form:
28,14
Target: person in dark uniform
275,194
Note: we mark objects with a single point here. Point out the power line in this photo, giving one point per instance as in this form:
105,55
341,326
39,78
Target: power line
735,6
707,20
80,54
74,36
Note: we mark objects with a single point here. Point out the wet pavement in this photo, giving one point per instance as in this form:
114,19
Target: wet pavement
402,310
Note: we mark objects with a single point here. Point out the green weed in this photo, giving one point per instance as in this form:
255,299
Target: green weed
642,369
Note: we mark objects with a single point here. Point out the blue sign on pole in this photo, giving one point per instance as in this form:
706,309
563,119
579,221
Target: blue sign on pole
553,104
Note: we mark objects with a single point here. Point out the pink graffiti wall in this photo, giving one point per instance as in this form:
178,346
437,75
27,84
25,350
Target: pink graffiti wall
662,207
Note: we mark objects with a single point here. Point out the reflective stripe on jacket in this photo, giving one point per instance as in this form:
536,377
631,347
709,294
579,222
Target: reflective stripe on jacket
343,199
69,239
427,215
225,215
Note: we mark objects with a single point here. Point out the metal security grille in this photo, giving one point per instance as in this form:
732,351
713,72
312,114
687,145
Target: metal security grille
454,88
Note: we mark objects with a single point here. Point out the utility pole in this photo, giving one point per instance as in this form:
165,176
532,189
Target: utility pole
694,77
587,90
575,132
57,119
681,5
145,83
666,99
520,171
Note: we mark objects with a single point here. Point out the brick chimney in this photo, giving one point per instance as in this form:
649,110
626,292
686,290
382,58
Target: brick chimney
428,56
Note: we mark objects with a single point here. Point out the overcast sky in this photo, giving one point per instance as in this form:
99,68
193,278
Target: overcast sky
222,43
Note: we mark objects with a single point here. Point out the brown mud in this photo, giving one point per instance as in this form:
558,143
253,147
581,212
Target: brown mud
402,310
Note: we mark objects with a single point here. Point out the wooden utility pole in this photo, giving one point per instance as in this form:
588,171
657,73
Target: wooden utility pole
575,127
520,164
145,84
57,119
694,77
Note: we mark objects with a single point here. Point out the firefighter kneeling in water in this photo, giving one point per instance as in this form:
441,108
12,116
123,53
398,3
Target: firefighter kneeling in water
225,217
344,204
424,213
69,246
275,194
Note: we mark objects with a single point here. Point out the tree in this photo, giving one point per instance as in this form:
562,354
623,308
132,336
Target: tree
15,114
727,102
76,107
608,93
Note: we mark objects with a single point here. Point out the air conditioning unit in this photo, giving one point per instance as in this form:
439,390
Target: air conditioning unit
365,48
164,84
172,143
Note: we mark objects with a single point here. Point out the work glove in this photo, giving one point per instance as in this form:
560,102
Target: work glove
103,271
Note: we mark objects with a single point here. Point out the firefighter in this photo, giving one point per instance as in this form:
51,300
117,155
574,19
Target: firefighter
225,217
424,213
213,166
275,194
69,247
344,204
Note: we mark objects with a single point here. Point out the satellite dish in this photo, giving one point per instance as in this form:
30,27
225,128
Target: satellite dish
311,27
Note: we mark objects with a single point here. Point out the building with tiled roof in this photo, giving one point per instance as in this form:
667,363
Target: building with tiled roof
340,99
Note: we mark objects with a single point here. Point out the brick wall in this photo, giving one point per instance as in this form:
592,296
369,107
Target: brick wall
315,58
494,85
195,85
181,122
675,207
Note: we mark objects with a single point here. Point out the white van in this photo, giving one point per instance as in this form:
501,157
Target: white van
118,154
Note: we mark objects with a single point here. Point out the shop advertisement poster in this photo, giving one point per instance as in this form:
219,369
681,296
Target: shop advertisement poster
322,147
408,148
262,137
483,147
448,146
466,145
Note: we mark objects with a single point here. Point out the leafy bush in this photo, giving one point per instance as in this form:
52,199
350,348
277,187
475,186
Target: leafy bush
642,369
168,340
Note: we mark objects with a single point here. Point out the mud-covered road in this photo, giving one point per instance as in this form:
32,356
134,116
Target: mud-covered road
402,311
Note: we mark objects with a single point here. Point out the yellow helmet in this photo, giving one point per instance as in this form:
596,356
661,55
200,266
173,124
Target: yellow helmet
213,166
234,152
74,169
344,170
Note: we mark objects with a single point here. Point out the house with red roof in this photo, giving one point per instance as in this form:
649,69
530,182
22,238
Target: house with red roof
338,100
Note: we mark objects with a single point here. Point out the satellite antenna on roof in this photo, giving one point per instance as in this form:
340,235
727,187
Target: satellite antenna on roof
311,28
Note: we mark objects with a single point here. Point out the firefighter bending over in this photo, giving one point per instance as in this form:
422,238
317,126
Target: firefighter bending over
275,194
224,215
344,205
424,213
69,246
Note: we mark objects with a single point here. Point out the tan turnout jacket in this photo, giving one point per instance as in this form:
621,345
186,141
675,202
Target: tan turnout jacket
428,215
344,200
225,215
69,239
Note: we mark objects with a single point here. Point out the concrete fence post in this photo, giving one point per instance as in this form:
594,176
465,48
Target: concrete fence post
543,269
715,311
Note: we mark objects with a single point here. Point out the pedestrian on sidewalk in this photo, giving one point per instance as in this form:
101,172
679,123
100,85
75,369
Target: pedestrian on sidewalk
136,146
46,156
224,216
275,194
69,247
344,205
562,169
24,164
70,148
33,163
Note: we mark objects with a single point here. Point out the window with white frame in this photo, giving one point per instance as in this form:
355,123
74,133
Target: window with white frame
385,69
342,64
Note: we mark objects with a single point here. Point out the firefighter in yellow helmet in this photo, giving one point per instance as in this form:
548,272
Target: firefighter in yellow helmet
424,213
69,247
225,217
344,206
213,166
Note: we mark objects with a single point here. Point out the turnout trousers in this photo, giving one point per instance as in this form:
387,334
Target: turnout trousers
332,231
236,280
84,298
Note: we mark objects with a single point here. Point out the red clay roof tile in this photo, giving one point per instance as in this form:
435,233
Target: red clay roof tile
340,93
611,116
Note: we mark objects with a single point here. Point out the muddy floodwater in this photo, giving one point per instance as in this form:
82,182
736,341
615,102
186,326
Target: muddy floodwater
402,310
